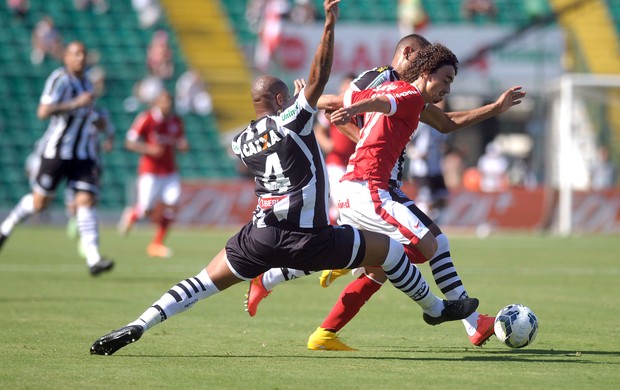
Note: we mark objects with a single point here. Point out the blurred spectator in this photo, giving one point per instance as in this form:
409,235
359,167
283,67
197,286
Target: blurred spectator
411,17
473,9
46,41
159,56
303,12
98,6
253,13
471,179
453,166
425,154
19,8
269,33
603,173
149,12
521,174
145,91
191,94
493,168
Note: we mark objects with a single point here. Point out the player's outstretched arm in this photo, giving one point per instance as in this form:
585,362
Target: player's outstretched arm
343,115
322,64
447,122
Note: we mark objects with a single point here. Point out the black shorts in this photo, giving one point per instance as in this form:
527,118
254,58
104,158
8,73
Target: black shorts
81,175
253,250
434,185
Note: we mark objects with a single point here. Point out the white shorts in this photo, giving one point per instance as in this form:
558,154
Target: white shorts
366,207
334,173
157,188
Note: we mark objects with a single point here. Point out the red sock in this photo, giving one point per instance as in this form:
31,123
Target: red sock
133,215
162,230
351,300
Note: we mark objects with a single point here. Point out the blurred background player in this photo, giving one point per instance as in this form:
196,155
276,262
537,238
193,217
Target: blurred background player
493,169
68,152
104,141
337,148
156,135
425,154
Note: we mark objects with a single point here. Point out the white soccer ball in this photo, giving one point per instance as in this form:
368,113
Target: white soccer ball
516,325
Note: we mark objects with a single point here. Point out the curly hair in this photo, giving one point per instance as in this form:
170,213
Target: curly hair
428,60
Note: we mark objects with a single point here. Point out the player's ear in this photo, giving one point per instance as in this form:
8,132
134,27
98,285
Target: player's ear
408,52
280,99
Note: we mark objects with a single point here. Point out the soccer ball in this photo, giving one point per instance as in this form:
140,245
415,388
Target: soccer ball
516,325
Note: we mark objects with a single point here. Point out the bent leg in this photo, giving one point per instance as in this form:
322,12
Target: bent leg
390,255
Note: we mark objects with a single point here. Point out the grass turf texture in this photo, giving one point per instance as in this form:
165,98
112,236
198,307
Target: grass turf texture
52,311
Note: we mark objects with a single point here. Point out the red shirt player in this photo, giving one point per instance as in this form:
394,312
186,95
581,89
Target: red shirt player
156,134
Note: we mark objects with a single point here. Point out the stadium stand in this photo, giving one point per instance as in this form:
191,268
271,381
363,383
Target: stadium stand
117,36
122,43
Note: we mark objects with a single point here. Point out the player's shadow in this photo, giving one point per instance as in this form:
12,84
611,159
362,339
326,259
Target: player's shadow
521,356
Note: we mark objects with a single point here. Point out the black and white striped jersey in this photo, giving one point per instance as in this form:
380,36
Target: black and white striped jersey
373,78
283,155
69,136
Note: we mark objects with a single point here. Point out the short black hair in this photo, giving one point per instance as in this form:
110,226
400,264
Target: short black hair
415,40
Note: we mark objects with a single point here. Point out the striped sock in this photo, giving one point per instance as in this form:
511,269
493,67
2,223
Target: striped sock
179,298
448,280
444,273
407,278
275,276
23,209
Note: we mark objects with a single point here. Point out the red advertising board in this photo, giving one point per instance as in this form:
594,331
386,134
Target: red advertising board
231,203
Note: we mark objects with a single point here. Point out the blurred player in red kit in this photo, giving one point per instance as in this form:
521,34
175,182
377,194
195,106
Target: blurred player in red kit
337,148
156,134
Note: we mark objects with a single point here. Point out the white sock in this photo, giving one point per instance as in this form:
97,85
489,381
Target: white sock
88,226
275,276
471,323
406,277
21,211
179,298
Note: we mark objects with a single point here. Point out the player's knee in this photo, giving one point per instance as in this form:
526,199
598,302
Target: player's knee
377,248
414,255
428,246
40,202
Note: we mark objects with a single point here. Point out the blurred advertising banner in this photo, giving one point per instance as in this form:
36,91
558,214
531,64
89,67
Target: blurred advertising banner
528,59
231,203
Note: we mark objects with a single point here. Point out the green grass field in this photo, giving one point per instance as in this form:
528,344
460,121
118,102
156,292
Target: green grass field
52,310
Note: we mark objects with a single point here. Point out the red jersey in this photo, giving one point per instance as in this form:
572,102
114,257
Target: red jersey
384,136
153,129
343,148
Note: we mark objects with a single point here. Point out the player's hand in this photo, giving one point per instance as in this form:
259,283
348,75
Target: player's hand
299,84
155,150
510,98
331,11
342,116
